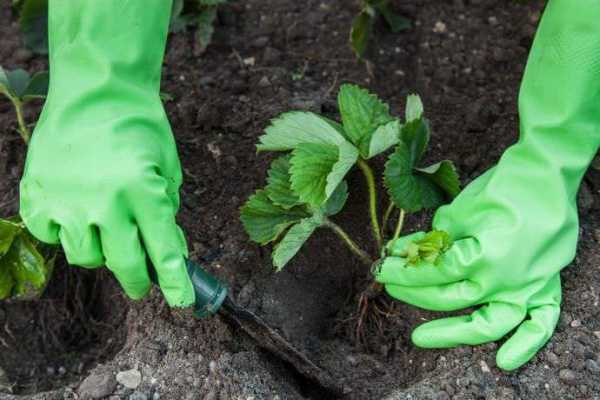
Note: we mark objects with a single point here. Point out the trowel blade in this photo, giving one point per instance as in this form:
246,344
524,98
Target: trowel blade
269,339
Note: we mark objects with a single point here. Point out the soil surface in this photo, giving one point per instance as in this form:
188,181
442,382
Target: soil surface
464,57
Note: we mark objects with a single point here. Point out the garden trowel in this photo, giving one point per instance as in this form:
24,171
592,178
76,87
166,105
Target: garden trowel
212,298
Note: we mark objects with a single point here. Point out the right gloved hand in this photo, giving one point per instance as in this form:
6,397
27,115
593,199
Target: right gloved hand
102,174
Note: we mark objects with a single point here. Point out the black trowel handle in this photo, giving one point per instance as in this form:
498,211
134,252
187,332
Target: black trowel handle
210,292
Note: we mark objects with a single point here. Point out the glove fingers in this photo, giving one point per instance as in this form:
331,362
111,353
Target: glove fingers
487,324
529,338
42,228
450,297
533,333
164,243
455,265
126,259
81,245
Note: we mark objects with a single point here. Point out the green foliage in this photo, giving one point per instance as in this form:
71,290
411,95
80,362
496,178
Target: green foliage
19,85
410,186
307,185
429,249
199,13
362,24
20,88
362,113
33,19
25,263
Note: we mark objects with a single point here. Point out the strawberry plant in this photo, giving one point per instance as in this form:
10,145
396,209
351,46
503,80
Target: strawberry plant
362,24
20,88
306,185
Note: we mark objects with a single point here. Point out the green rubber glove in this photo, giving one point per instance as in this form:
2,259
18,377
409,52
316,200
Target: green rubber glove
102,174
516,226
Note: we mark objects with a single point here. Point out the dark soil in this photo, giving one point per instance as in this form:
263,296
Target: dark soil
465,58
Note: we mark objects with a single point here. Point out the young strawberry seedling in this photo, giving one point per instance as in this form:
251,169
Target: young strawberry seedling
362,24
25,263
20,88
306,186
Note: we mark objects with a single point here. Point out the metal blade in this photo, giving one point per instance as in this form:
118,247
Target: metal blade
269,339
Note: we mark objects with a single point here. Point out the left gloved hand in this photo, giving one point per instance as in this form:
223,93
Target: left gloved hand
515,227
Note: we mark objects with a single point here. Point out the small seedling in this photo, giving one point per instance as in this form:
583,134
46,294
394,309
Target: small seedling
306,186
199,13
20,88
25,264
33,20
362,25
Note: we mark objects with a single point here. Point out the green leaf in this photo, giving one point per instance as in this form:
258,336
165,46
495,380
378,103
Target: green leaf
362,113
293,240
337,200
8,231
317,170
279,185
360,32
34,25
394,21
414,107
264,221
415,135
4,84
178,22
25,263
205,28
37,88
18,80
429,248
7,282
290,129
29,268
412,188
166,97
444,175
384,137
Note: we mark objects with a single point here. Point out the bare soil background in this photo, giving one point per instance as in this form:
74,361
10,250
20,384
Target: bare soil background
464,57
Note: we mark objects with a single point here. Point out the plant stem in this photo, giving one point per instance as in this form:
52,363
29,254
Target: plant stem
386,217
400,223
368,173
364,257
23,130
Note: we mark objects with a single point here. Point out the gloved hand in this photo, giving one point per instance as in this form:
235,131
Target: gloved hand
102,172
516,226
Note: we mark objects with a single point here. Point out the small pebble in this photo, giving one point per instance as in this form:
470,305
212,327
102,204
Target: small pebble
576,323
97,386
352,360
592,366
131,379
553,359
264,82
440,27
484,366
212,366
567,376
138,396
